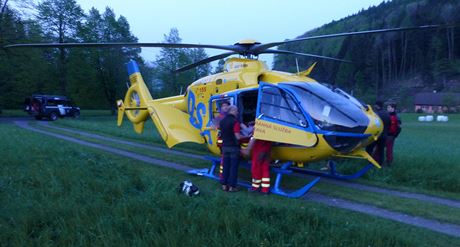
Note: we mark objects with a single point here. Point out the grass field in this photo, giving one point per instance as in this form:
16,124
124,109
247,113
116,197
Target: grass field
65,194
61,193
395,203
426,153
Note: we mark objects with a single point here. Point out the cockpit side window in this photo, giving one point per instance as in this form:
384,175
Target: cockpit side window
279,105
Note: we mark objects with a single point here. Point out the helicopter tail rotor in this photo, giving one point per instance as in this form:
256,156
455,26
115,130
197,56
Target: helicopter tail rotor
135,103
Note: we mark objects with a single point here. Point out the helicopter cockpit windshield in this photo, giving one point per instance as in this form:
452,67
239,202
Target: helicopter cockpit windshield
331,109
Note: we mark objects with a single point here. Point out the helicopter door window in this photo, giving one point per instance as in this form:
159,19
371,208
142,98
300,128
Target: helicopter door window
279,105
216,105
247,105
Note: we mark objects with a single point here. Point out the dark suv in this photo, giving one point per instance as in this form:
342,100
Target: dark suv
51,107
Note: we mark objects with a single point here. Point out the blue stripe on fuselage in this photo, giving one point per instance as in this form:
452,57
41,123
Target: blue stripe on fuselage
132,67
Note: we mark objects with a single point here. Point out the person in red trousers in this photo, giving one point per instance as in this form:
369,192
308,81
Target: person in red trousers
260,164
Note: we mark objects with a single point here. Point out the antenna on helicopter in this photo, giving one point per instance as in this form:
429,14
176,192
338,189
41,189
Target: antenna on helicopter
297,64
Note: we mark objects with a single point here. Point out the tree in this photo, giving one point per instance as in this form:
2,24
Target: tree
220,66
384,61
202,70
60,18
21,71
2,12
170,60
109,63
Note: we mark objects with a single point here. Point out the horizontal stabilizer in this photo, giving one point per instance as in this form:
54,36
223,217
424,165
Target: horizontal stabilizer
121,112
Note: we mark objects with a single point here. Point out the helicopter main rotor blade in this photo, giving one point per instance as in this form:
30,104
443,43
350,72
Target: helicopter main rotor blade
305,55
125,44
257,49
204,61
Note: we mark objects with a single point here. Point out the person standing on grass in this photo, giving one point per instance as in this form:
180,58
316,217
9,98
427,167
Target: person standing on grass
260,164
393,132
377,148
216,125
230,131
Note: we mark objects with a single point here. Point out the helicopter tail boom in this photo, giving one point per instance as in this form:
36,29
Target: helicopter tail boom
171,122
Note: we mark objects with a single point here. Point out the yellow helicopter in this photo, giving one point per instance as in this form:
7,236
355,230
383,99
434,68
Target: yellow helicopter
309,121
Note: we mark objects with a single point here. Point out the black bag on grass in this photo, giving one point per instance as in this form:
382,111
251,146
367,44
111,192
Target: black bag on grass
188,188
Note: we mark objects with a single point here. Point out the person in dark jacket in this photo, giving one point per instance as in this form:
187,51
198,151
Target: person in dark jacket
216,121
230,132
377,148
393,132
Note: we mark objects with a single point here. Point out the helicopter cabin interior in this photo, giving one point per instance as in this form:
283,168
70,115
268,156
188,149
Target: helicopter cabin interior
246,101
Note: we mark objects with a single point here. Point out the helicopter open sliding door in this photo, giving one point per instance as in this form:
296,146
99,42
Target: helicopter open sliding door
280,119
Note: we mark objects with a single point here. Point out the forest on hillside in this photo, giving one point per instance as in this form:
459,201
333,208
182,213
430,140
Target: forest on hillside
93,78
391,66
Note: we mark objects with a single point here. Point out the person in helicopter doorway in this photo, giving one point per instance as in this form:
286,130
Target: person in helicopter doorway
377,148
260,164
393,132
230,131
223,110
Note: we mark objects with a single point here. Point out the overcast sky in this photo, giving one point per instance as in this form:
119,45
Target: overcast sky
226,22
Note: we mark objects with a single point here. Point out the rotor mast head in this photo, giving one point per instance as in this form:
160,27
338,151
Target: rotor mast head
246,45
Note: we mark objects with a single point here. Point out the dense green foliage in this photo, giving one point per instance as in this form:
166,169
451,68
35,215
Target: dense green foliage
93,78
65,194
391,65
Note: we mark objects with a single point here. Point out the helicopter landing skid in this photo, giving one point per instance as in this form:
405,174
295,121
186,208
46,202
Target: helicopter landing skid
285,169
332,172
276,189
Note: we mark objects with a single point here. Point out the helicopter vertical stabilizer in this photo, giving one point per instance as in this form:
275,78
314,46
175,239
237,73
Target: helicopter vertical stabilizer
135,103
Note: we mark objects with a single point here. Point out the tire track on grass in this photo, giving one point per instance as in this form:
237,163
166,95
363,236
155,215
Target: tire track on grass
117,140
434,225
368,188
144,158
397,193
445,228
